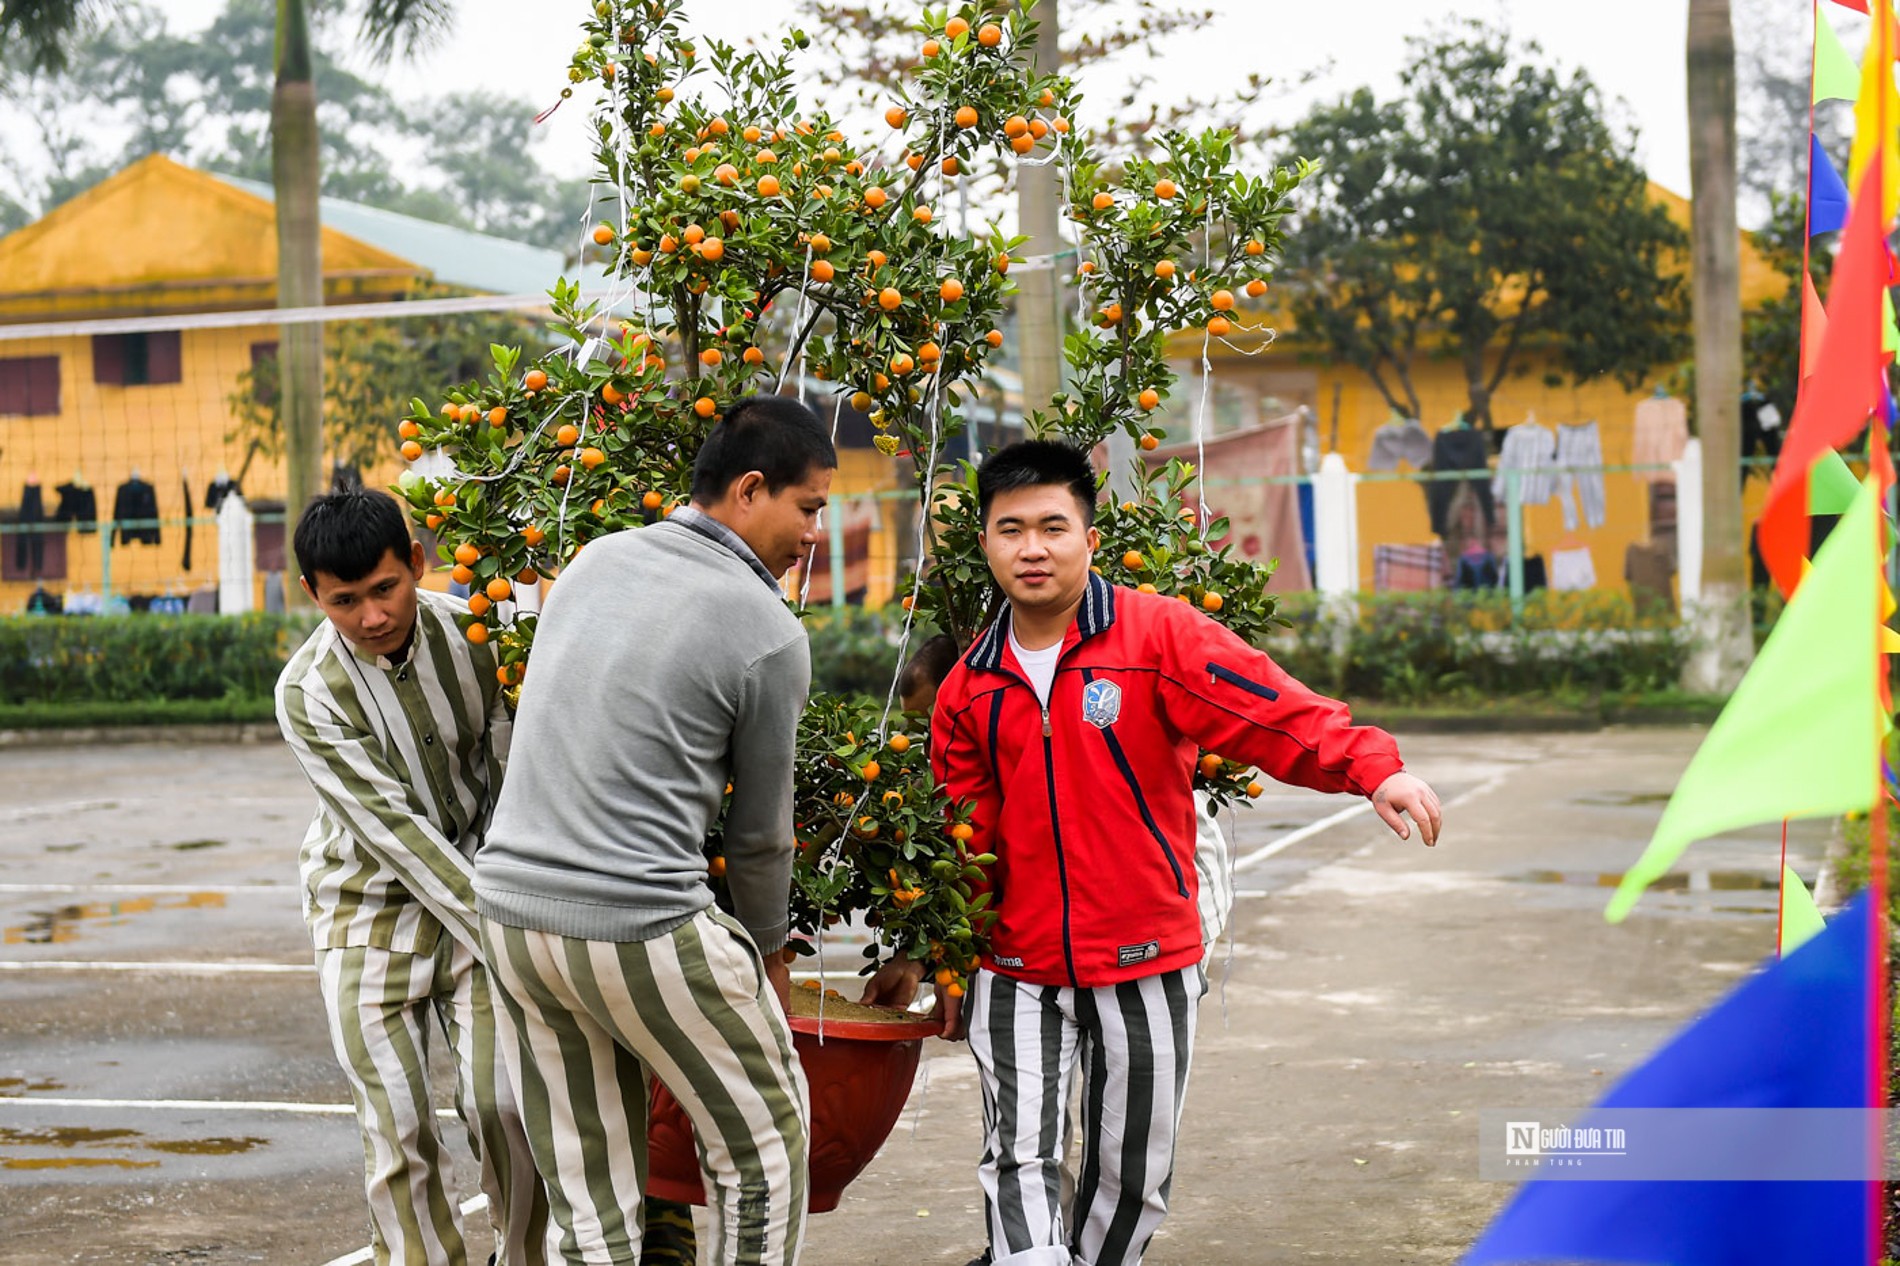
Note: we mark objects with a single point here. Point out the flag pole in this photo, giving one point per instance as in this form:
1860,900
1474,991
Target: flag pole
1877,816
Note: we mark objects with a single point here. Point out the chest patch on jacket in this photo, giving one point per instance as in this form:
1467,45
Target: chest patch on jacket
1101,704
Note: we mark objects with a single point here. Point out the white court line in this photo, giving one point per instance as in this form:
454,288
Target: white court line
1306,832
474,1205
183,1105
194,1105
173,967
148,889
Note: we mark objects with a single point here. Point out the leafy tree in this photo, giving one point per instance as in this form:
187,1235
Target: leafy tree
1489,209
372,369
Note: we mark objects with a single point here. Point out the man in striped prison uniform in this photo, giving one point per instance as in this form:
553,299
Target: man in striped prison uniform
667,668
398,720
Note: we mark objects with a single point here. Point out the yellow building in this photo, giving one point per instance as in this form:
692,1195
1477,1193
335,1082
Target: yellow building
1249,390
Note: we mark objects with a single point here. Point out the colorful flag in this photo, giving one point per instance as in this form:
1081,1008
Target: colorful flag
1827,196
1835,77
1801,921
1797,738
1844,389
1797,1035
1877,110
1813,327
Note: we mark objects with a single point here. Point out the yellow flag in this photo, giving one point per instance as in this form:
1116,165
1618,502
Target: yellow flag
1879,102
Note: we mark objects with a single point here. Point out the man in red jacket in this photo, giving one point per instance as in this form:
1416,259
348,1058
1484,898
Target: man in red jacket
1071,728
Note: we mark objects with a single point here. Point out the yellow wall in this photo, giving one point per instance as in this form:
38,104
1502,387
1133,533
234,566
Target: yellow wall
166,432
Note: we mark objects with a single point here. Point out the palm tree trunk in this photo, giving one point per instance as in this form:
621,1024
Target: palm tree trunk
294,174
1723,645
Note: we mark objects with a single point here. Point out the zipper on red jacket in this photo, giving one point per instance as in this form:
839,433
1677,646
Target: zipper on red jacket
1141,802
1055,832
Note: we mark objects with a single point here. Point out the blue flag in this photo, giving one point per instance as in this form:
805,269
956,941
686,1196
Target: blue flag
1827,195
1795,1036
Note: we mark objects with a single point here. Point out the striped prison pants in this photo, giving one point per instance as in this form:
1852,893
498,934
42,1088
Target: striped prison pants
378,1003
1133,1043
587,1025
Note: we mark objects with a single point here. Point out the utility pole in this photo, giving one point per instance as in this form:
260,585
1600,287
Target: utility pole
1038,208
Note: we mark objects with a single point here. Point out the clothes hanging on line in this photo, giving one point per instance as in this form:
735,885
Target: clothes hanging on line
217,490
1662,432
1400,440
1407,568
1455,449
136,501
1580,448
78,505
1531,450
29,547
1572,569
185,486
1477,569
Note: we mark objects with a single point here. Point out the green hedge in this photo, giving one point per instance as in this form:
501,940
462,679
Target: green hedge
1449,646
137,658
1402,649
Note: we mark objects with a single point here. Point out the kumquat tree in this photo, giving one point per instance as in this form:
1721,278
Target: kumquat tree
750,246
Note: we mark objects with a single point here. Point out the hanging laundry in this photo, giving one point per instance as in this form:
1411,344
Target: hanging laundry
217,490
1453,449
185,484
136,501
29,546
1400,440
1572,569
78,505
1407,568
1531,450
1580,450
1662,432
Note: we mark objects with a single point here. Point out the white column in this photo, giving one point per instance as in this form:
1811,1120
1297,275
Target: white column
1336,528
1689,523
236,556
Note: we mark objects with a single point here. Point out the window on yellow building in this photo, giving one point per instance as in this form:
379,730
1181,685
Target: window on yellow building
137,360
29,385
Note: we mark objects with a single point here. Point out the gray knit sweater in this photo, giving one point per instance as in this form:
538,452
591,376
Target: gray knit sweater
665,666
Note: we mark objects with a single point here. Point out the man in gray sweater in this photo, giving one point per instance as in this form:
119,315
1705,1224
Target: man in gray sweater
666,666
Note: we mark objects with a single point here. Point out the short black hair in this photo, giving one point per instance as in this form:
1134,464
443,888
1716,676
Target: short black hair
347,533
1036,464
930,665
777,436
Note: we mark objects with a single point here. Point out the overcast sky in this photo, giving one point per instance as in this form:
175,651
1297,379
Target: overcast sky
1632,48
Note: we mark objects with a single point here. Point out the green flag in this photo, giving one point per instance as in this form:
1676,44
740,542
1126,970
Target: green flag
1797,740
1835,76
1831,485
1800,919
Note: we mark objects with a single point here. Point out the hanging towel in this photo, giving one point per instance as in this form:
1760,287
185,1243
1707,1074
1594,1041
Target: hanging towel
1400,441
1662,431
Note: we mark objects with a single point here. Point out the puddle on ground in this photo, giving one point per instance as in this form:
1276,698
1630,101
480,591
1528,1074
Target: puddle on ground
72,1138
1692,881
69,923
13,1087
190,845
1626,800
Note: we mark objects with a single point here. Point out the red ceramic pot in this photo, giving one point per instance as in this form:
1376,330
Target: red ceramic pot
860,1076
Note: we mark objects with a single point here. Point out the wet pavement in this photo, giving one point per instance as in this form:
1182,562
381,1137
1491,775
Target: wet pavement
167,1092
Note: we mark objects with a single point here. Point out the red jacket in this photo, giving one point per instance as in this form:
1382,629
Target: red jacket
1089,805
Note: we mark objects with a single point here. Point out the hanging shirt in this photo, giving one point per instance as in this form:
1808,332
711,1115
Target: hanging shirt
1038,666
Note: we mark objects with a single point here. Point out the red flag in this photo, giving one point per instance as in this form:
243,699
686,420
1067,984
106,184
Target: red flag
1835,403
1813,327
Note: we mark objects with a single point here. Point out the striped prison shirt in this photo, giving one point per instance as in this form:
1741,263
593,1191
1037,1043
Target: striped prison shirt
406,759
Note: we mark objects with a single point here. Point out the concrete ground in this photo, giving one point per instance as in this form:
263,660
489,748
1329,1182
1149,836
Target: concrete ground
167,1092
